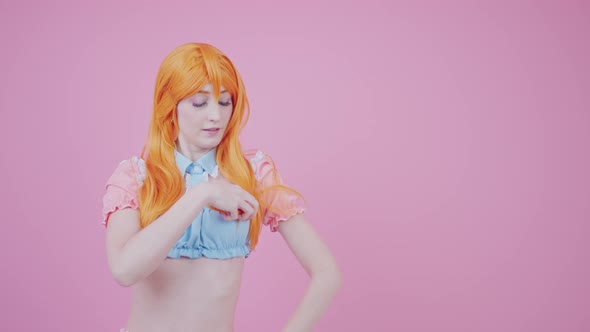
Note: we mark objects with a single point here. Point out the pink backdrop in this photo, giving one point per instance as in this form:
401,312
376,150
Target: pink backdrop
443,150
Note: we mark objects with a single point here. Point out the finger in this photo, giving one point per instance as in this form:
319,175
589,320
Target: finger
246,211
251,200
232,215
226,215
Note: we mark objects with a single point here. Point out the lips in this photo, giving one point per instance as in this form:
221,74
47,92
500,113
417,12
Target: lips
211,131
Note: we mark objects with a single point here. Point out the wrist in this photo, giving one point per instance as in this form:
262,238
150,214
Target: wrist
200,192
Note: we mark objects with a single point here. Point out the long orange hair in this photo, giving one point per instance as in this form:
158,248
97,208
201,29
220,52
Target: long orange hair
183,73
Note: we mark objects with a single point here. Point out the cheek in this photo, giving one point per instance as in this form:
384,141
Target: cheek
190,123
227,115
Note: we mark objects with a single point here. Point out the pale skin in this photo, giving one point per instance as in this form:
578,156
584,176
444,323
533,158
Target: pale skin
201,294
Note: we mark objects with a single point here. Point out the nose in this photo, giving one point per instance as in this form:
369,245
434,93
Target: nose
214,113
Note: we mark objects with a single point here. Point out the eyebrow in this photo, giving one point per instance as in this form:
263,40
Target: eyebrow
207,92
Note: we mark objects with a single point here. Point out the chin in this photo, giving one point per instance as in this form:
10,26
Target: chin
209,145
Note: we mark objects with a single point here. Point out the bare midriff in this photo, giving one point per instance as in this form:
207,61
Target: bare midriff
186,294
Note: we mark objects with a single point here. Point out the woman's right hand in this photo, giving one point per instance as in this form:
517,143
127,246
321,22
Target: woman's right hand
233,202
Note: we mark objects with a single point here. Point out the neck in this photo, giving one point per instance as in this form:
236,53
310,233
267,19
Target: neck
191,152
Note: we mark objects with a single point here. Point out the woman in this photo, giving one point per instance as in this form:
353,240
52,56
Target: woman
181,219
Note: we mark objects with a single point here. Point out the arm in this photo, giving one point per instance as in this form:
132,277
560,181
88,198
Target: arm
134,253
320,265
286,217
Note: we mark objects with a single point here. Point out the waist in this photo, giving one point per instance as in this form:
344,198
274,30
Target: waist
185,293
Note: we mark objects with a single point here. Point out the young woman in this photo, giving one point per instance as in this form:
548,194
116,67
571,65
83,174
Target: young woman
181,218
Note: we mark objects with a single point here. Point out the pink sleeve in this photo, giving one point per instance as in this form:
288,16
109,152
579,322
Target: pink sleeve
122,187
282,204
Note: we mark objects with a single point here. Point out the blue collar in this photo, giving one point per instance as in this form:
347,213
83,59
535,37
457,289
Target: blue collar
206,161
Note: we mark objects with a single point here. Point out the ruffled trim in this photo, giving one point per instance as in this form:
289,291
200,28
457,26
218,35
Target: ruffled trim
255,162
110,204
183,250
139,168
273,219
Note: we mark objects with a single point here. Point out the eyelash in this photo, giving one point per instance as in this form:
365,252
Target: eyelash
205,103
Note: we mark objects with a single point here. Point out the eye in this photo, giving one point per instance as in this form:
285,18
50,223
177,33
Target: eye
220,103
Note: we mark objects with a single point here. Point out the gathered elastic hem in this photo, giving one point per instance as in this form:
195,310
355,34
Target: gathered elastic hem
221,253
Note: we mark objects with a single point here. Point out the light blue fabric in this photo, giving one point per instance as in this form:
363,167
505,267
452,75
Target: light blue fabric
209,234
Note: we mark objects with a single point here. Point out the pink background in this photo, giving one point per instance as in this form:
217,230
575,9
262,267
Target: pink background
443,150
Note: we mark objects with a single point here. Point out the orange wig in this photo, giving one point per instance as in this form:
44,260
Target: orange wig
183,73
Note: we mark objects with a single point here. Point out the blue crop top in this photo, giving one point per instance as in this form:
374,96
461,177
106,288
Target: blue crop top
209,234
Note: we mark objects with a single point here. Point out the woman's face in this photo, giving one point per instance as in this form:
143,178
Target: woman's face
202,120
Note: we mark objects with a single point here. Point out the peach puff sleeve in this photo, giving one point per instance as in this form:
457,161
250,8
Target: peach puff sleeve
122,187
280,203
